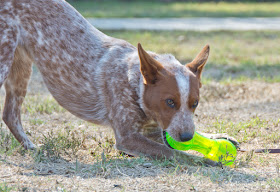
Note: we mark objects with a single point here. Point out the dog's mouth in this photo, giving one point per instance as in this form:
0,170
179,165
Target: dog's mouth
165,140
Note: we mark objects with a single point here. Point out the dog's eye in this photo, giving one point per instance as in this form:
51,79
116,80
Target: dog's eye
195,104
170,103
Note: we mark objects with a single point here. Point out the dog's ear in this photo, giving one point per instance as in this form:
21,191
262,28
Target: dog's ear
197,65
149,67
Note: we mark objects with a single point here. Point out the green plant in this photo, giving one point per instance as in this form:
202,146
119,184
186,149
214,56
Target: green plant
5,188
63,143
8,143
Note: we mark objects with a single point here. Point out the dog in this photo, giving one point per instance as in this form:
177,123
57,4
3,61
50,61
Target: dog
95,77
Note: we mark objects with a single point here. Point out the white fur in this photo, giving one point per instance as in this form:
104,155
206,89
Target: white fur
184,88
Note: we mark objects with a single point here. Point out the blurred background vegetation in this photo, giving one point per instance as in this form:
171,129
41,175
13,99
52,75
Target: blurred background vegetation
170,8
199,1
235,55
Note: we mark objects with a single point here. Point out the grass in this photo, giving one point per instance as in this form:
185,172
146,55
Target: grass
238,56
8,143
43,104
65,143
274,184
248,130
5,188
114,8
73,148
74,155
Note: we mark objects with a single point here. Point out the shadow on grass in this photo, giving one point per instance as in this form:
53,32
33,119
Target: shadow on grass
132,168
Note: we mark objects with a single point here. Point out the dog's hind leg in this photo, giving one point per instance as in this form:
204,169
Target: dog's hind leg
14,72
16,87
8,44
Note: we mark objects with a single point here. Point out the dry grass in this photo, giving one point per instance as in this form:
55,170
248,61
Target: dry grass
74,155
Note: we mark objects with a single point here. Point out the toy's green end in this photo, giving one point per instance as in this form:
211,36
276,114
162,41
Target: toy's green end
223,151
220,150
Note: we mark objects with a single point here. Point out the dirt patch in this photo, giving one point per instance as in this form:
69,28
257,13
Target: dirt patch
240,101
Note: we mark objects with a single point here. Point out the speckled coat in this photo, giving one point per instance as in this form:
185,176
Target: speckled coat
96,77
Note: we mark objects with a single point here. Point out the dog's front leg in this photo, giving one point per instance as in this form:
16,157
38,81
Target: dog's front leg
134,143
127,123
130,141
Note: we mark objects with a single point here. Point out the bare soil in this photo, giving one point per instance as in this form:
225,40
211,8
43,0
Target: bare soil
90,169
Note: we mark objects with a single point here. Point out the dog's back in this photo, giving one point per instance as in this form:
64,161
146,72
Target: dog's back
96,77
76,60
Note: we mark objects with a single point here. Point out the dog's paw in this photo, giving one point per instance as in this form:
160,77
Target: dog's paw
223,136
28,145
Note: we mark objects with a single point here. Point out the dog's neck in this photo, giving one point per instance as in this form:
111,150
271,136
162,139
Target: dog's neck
135,79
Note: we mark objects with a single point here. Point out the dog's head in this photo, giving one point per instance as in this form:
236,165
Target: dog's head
171,91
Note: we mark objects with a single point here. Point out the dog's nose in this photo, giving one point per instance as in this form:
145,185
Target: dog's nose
186,136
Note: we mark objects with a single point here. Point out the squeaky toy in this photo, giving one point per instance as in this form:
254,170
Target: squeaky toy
220,150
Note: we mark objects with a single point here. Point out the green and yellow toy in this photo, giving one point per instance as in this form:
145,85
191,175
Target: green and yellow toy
220,150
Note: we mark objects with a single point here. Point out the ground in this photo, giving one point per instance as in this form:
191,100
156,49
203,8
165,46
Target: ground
74,155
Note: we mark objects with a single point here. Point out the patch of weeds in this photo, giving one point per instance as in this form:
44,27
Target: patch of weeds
245,160
166,163
274,184
276,123
223,176
248,130
64,143
104,147
8,143
264,160
5,188
41,104
171,167
273,138
102,168
36,122
60,188
177,169
105,166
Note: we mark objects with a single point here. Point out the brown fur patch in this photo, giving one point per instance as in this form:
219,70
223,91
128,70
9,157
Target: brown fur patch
155,99
194,91
150,68
197,65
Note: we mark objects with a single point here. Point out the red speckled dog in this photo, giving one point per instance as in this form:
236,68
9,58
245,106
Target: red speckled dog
96,77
